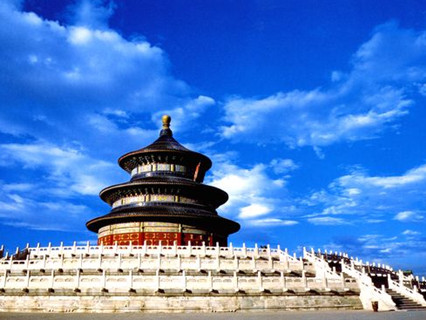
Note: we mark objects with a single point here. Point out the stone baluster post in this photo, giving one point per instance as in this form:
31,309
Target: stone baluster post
236,264
400,277
342,279
278,249
74,248
158,261
38,248
218,262
100,261
189,248
244,250
283,282
139,260
253,263
302,266
77,280
157,281
184,284
61,248
179,262
231,250
256,250
260,281
52,280
271,264
210,281
198,264
175,248
80,261
4,279
62,260
144,248
286,260
130,280
203,249
27,261
160,248
88,247
49,248
130,247
119,261
325,281
305,281
115,247
44,261
104,281
235,282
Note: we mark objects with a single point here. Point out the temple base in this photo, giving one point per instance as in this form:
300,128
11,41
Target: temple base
152,233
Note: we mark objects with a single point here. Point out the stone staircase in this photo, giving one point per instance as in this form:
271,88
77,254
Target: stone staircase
404,303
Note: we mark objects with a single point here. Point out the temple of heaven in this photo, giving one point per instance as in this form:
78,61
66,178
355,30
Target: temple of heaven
165,200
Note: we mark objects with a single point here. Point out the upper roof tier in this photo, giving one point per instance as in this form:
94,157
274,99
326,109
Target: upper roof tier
166,150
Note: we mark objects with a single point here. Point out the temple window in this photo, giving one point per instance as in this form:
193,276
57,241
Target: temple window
152,198
165,167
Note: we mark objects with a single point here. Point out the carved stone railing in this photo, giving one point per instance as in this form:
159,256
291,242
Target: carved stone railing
413,294
152,257
164,267
369,293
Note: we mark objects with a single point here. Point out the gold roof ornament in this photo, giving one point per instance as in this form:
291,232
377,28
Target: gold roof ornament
166,121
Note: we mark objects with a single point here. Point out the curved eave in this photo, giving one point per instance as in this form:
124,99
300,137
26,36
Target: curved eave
127,161
216,224
210,194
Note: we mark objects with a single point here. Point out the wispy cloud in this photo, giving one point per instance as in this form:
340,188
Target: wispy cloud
332,221
408,216
66,171
374,198
85,81
56,200
357,105
253,193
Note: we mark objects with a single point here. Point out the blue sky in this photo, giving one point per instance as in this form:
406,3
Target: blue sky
312,111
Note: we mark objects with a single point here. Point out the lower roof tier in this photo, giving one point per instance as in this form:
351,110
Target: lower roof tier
209,195
193,216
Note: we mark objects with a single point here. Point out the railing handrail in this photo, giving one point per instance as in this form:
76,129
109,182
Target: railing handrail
408,292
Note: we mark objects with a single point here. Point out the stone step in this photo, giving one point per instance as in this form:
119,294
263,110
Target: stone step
404,303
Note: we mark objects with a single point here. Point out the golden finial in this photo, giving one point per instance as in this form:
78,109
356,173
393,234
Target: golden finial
166,121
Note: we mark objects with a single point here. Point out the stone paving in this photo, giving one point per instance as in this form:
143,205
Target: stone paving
299,315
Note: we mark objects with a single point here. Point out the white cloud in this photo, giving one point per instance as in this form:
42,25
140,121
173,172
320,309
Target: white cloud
272,222
67,171
327,221
67,179
372,198
252,193
283,165
356,106
408,216
84,81
183,118
94,13
411,233
254,210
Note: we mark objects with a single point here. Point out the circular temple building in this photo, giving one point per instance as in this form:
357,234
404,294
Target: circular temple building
165,199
